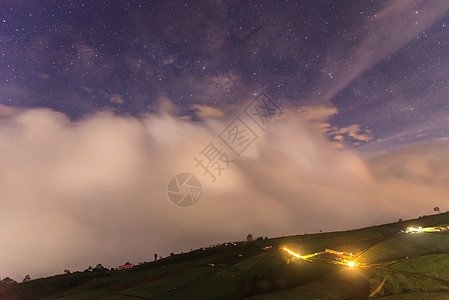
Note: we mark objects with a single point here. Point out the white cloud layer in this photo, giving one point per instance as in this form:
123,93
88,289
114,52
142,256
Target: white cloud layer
74,194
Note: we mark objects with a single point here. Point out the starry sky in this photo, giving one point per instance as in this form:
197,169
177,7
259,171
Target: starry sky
379,65
103,102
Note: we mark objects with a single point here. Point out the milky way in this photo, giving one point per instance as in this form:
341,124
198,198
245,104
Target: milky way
382,64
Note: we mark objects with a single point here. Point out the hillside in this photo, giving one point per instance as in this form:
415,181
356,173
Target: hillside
386,262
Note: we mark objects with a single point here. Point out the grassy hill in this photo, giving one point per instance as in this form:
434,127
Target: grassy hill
387,263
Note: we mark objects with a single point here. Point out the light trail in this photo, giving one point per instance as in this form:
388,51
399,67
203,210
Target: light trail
348,263
293,253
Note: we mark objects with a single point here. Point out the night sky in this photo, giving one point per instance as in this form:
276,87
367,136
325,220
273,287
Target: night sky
386,72
102,103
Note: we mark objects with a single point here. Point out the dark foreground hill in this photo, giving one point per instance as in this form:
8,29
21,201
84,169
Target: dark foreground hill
384,262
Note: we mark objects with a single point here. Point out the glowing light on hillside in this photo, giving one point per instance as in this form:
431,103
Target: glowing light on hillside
414,229
293,253
310,257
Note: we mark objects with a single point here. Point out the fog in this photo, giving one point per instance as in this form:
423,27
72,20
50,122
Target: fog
79,193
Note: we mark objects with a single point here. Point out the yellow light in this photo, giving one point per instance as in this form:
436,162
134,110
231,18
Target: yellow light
351,263
293,253
414,229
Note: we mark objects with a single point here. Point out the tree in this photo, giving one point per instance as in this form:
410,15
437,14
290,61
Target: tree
436,209
155,256
27,278
66,271
8,280
249,238
99,267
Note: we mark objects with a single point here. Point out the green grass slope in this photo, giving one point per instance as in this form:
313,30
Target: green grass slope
392,265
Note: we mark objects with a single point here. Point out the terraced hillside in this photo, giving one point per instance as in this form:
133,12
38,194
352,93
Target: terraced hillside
386,262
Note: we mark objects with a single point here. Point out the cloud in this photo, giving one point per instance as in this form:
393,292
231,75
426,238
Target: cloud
7,111
319,115
381,35
116,98
88,90
355,132
339,138
318,112
43,76
206,111
74,194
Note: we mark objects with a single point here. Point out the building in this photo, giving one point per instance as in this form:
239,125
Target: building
125,267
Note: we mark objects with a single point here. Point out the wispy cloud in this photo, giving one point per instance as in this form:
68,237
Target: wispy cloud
116,98
381,35
319,116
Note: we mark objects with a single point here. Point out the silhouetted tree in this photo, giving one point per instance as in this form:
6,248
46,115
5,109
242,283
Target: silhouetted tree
8,280
249,238
436,209
27,278
66,271
155,256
